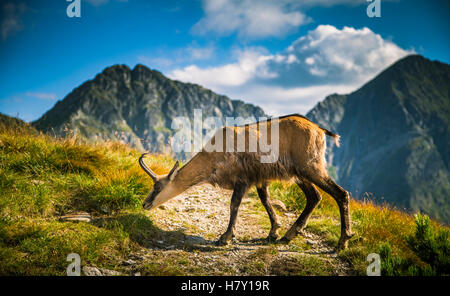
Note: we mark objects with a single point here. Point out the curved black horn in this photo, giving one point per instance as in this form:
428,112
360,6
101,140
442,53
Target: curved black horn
146,168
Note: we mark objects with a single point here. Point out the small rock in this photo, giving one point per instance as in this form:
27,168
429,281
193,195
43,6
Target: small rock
107,272
279,205
77,217
129,262
137,274
91,271
95,271
160,242
37,182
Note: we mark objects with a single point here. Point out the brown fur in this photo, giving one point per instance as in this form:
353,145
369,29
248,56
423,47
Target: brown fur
301,156
301,146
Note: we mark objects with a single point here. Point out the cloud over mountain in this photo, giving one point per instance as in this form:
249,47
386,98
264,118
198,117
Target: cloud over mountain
324,61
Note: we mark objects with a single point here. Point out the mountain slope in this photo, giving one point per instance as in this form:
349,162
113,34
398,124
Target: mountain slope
395,136
136,107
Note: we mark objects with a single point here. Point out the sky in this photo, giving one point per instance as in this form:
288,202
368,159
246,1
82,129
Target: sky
282,55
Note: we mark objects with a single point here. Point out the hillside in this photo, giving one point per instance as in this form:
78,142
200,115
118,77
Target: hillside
43,179
395,136
136,106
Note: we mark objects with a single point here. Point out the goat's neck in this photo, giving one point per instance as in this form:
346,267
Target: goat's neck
194,172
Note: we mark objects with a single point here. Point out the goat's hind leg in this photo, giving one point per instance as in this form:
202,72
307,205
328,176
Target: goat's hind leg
263,194
312,200
239,191
342,198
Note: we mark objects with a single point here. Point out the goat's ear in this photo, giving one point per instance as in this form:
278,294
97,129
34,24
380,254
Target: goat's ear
173,172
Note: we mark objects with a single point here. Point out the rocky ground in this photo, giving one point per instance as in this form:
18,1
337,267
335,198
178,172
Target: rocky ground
189,225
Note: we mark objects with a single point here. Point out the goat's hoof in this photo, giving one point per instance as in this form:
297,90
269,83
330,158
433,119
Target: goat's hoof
341,246
223,240
343,242
272,238
221,243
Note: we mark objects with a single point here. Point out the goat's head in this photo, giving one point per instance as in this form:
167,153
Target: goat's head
162,185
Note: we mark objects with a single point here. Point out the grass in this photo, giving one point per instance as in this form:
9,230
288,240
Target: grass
43,178
375,227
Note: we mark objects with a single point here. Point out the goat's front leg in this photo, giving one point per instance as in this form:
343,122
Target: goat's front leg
263,193
239,191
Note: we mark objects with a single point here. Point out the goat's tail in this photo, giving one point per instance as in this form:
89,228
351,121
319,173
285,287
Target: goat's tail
336,137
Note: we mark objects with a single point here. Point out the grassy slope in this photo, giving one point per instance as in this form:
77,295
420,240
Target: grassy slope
42,178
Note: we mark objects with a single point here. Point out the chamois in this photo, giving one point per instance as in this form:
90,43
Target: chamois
301,156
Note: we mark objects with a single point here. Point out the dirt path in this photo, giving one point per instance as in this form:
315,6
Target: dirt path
192,222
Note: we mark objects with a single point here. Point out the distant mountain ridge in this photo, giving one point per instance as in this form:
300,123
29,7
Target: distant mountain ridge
136,106
395,136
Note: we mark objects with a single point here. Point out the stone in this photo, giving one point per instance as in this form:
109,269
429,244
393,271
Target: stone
95,271
77,217
129,262
108,272
91,271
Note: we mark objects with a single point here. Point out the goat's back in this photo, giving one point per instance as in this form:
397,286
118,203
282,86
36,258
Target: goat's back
301,147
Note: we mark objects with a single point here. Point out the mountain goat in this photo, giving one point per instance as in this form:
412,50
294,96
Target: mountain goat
301,156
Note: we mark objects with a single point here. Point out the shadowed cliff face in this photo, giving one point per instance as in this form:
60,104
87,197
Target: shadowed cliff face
136,107
395,136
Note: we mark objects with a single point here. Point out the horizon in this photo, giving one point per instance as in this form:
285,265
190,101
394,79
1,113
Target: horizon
288,62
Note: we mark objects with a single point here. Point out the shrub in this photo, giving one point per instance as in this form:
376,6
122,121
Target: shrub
433,248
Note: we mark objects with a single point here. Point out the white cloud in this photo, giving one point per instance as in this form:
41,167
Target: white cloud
249,18
42,96
259,18
326,60
200,53
250,65
12,15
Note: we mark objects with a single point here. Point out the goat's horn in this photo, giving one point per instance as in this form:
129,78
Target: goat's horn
146,168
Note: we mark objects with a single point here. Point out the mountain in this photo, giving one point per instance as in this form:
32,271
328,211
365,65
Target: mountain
136,107
395,136
14,124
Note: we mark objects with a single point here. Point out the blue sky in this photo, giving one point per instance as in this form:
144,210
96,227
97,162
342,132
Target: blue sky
283,55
